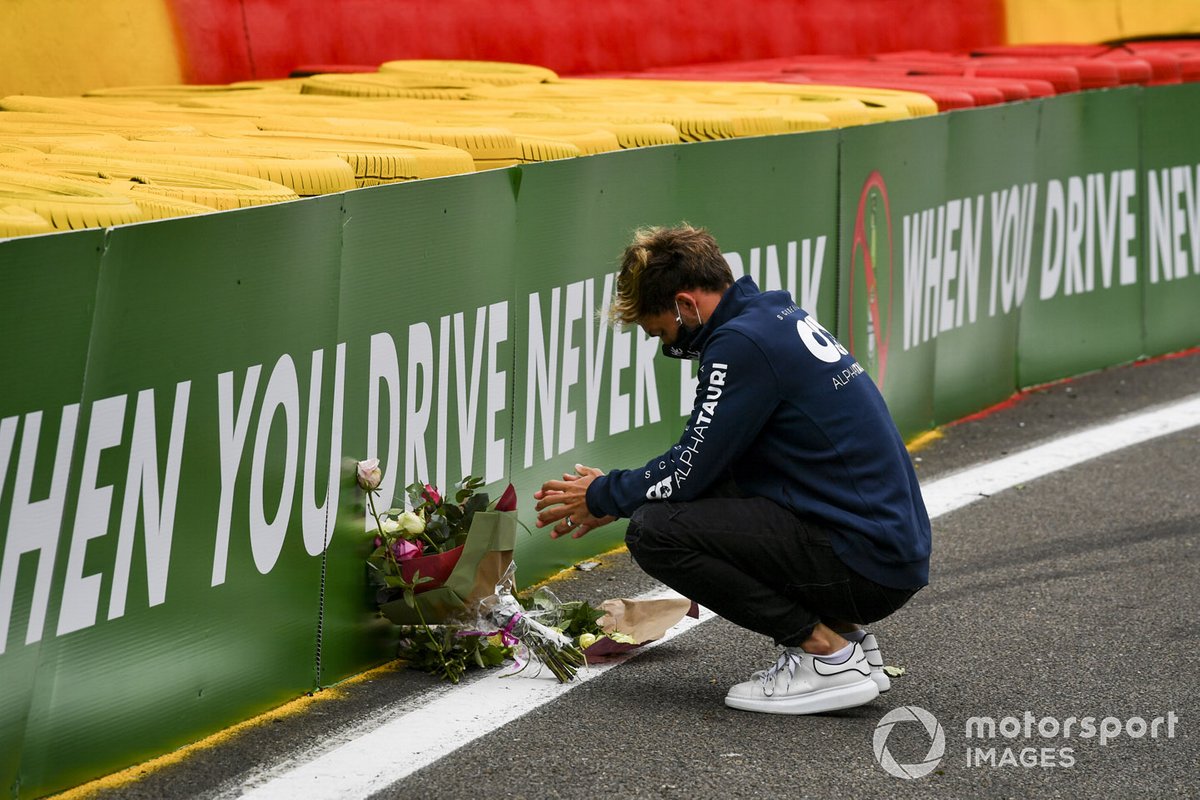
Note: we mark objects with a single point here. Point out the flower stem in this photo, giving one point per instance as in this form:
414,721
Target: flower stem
436,644
371,505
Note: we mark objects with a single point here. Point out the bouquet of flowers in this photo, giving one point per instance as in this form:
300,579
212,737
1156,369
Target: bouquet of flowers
531,639
415,550
418,550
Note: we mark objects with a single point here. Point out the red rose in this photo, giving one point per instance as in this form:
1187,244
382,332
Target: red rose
508,500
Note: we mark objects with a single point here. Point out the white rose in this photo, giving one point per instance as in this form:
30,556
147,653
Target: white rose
369,474
411,523
390,525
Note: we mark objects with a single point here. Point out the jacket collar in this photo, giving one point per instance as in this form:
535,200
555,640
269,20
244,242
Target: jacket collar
735,299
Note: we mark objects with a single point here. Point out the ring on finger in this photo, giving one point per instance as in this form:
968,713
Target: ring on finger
570,522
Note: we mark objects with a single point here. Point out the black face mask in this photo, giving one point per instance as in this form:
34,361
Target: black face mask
684,346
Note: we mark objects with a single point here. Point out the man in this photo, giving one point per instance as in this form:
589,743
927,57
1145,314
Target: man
789,506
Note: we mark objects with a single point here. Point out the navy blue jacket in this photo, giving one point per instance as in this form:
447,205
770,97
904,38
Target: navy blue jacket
789,415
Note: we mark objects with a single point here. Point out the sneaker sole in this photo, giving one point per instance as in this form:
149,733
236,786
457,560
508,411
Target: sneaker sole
881,679
833,699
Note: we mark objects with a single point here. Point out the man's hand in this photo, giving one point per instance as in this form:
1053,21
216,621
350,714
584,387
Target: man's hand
563,504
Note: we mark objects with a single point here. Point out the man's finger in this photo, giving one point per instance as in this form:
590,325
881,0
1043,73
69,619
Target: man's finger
552,515
549,501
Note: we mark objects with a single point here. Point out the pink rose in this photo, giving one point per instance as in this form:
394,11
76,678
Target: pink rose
369,475
403,549
431,494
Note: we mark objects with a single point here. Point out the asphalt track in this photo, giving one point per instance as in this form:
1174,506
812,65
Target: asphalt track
1073,595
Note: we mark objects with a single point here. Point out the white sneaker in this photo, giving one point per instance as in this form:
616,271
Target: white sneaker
798,683
870,646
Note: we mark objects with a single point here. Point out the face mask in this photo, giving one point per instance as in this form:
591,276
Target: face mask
684,346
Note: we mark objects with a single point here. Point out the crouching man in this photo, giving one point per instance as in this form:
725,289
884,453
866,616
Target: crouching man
789,505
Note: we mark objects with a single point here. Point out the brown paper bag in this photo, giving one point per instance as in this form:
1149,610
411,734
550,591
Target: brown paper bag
643,620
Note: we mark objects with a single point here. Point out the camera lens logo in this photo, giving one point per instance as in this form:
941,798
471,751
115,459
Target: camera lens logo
937,742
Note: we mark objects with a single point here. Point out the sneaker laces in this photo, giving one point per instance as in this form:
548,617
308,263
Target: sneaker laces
789,660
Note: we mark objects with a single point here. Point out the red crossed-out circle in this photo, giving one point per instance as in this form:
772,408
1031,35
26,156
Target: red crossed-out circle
882,333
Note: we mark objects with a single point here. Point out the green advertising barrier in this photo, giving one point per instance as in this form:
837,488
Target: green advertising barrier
188,548
587,392
771,204
983,257
1170,231
425,309
1083,304
184,598
601,395
890,176
46,309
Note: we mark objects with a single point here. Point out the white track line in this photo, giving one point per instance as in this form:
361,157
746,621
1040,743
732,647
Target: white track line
439,722
975,483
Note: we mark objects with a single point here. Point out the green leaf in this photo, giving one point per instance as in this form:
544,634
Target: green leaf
579,617
477,502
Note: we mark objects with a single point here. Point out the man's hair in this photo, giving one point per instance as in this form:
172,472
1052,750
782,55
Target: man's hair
660,262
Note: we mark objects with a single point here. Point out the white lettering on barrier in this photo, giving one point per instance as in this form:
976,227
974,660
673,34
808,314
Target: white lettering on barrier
1088,226
645,382
442,379
468,359
942,256
1075,219
495,459
808,255
231,440
417,407
467,383
554,365
80,593
282,396
33,525
158,509
618,401
1174,212
384,374
317,518
594,347
542,367
569,370
1012,214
